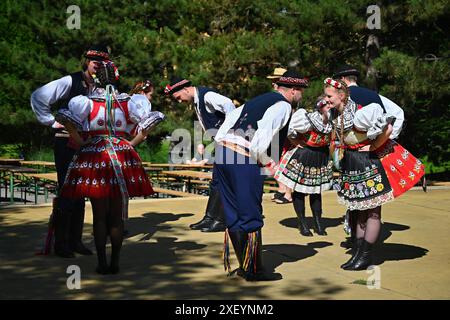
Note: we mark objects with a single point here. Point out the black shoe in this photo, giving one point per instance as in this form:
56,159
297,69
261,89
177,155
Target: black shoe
364,258
304,230
355,254
263,276
215,226
114,269
317,224
80,248
64,253
277,195
206,221
102,270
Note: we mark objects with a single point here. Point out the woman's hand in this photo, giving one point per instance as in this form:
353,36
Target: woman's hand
365,148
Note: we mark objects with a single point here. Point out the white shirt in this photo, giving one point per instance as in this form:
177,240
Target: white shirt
273,120
213,102
43,97
392,109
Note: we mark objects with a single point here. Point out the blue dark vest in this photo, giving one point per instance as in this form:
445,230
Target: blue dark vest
254,110
208,120
76,89
364,96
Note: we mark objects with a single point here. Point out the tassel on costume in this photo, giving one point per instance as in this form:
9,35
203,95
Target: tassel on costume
251,250
226,253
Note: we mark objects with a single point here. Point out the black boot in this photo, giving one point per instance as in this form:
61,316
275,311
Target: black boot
317,223
364,257
102,267
62,234
218,215
261,274
356,247
239,240
209,214
76,228
302,225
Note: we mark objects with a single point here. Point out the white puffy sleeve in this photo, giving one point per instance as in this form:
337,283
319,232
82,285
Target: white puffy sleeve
299,123
77,112
393,109
141,102
372,120
141,114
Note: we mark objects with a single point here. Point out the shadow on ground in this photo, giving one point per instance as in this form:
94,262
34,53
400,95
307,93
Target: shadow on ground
326,222
394,251
155,264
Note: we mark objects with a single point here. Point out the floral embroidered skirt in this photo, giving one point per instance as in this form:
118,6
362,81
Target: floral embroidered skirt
369,179
306,170
91,173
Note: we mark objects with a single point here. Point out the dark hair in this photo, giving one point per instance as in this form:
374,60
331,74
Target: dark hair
145,86
352,78
105,74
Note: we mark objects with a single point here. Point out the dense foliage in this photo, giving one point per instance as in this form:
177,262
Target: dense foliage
232,46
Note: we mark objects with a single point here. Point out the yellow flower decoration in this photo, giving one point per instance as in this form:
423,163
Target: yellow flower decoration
370,183
380,187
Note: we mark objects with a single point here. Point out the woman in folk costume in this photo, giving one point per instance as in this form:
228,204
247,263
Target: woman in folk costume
107,169
374,169
141,95
307,168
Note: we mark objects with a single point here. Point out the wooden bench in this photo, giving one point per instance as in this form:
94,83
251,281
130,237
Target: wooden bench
174,192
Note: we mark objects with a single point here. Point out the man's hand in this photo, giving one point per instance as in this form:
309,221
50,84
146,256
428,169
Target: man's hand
57,125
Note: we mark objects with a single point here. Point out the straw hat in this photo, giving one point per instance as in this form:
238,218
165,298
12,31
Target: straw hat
277,73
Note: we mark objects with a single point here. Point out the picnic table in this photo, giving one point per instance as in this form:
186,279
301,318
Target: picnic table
189,175
9,173
45,180
177,166
42,164
10,162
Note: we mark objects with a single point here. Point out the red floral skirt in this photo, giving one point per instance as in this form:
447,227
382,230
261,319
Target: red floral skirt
403,170
91,173
369,179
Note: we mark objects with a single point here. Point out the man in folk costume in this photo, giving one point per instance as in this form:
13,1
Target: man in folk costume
364,97
374,168
69,214
211,109
249,146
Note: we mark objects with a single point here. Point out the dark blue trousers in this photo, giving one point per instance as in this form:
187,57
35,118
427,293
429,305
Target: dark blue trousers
69,217
241,188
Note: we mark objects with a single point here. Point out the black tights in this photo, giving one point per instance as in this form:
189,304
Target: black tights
315,202
108,220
